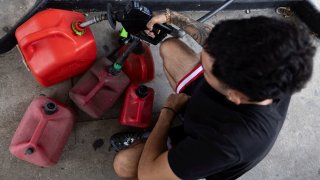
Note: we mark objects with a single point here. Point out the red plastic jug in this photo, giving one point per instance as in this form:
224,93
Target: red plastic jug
98,90
51,49
43,132
137,106
139,65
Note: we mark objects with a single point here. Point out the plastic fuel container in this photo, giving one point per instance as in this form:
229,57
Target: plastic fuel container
139,65
51,49
137,106
43,132
98,89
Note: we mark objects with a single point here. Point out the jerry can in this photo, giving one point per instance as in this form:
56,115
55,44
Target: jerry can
50,47
42,132
139,65
98,89
136,109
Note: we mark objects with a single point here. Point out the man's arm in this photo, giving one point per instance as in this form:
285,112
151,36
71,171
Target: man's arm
198,31
153,162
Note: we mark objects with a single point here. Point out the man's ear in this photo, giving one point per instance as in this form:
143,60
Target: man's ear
236,96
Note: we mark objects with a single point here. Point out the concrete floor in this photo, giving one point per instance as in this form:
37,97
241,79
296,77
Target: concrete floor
294,156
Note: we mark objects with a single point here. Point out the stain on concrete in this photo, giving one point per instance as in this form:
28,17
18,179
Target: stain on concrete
6,29
98,143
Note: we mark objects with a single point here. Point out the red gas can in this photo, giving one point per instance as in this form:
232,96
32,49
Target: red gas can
42,132
139,65
137,106
51,49
98,90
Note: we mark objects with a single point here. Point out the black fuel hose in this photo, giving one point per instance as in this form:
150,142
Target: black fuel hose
180,33
213,12
8,41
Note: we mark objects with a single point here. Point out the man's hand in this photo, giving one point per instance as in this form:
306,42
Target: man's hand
198,31
158,18
177,101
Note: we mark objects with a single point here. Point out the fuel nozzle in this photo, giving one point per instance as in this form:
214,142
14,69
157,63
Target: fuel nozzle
94,20
115,69
77,28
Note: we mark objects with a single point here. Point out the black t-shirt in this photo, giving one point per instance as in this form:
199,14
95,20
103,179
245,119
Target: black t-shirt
223,140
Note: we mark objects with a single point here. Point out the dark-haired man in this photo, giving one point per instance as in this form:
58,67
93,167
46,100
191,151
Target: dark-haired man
239,87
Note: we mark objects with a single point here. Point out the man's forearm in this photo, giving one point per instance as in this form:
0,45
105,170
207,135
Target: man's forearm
198,31
157,141
154,160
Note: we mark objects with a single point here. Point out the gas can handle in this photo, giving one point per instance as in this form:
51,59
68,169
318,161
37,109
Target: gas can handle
142,92
39,35
143,66
39,131
49,108
140,107
94,91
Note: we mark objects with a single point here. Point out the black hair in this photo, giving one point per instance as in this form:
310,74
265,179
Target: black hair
261,57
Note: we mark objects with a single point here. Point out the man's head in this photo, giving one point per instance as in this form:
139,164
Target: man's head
260,57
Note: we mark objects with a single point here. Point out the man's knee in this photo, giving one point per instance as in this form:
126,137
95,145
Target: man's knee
123,166
167,46
126,162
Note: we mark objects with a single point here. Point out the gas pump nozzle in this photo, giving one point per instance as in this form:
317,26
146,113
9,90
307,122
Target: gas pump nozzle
134,18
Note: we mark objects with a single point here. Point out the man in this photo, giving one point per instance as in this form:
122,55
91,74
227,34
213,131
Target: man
234,97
